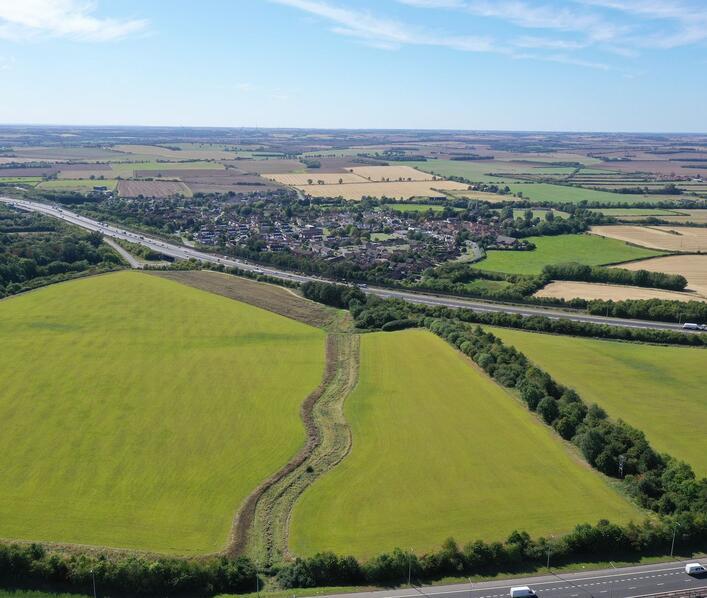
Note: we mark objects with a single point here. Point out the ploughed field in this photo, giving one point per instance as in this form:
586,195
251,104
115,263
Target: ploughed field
584,249
440,450
659,390
139,412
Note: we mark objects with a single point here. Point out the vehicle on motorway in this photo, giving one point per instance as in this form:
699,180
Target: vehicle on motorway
695,569
691,326
521,592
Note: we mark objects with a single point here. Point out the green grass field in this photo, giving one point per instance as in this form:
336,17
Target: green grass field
19,180
78,185
139,413
562,248
474,171
441,450
565,194
660,390
415,207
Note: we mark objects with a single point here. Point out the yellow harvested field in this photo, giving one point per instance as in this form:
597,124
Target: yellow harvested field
397,190
328,178
692,267
688,216
670,238
391,173
568,289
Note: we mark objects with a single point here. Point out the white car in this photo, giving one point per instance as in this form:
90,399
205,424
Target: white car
695,569
521,592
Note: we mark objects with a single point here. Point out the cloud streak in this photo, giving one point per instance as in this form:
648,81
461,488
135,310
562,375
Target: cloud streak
74,19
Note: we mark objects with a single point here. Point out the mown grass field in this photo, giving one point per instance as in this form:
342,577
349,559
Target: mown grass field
660,390
583,249
139,413
441,450
78,185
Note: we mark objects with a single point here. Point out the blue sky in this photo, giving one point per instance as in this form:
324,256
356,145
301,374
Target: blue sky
599,65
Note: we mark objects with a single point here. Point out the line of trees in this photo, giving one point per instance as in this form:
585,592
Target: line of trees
638,278
519,553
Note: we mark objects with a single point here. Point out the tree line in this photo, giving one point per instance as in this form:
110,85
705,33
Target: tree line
637,278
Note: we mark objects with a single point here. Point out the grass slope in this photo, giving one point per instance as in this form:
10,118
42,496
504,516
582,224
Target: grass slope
139,413
563,248
440,450
660,390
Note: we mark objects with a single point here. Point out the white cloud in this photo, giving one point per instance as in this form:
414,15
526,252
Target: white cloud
26,19
6,63
386,33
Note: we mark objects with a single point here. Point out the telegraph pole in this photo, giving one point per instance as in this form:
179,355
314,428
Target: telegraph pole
672,546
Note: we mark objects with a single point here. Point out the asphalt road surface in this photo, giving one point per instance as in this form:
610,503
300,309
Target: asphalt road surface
628,582
183,252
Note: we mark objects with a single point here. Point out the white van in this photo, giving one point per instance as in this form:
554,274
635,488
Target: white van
690,326
521,592
695,569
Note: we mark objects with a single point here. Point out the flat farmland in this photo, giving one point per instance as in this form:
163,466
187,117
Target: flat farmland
692,267
153,189
669,238
269,166
139,412
78,185
688,216
565,194
223,181
309,178
153,168
476,171
190,153
584,249
391,173
570,289
393,190
650,387
458,453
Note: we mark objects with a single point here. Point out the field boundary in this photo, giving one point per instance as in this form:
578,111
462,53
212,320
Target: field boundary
265,513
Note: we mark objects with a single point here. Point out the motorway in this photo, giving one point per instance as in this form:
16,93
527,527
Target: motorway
626,582
183,252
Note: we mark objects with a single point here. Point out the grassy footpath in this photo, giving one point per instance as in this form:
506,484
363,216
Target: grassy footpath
440,450
583,249
659,390
139,413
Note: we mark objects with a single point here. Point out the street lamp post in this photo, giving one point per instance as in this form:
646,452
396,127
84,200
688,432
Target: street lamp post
93,577
409,567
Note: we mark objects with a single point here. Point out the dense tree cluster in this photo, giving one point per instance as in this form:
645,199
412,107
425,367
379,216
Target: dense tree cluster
651,309
32,566
36,250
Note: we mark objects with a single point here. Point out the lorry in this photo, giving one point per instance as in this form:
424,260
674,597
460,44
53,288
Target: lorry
521,592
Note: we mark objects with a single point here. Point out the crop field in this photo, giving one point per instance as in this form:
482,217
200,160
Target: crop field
316,178
692,267
139,412
78,185
565,194
583,249
188,153
570,289
391,173
393,190
669,238
414,207
476,171
688,216
643,212
127,169
458,453
153,189
20,180
263,295
270,166
659,390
